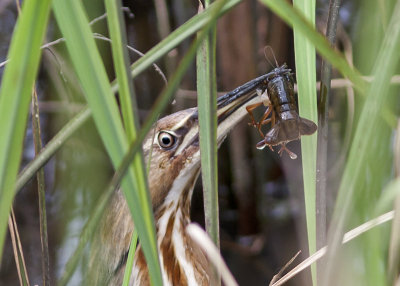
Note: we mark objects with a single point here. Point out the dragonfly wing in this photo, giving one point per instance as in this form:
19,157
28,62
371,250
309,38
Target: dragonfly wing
307,127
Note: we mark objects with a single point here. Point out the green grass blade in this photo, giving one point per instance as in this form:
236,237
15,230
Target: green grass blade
116,26
130,259
41,192
306,78
117,31
15,95
377,96
207,104
75,28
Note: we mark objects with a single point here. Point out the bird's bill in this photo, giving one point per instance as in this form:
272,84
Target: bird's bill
231,110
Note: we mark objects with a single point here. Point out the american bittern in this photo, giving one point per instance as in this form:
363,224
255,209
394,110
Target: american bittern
174,169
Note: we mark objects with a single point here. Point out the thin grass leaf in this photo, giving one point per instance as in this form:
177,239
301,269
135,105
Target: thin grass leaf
277,276
130,259
377,96
116,26
207,104
18,251
117,30
212,252
41,192
307,97
15,95
207,108
75,28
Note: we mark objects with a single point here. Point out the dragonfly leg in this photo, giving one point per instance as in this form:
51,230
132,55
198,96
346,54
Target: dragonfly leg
291,154
264,120
249,109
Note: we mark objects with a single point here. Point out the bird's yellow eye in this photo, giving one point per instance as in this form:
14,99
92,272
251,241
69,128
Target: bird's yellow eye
166,140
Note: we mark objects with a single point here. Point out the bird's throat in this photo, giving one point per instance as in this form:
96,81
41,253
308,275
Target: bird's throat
182,263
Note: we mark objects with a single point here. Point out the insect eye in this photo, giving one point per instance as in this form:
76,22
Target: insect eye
166,140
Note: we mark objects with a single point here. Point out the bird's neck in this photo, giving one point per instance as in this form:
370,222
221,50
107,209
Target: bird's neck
182,262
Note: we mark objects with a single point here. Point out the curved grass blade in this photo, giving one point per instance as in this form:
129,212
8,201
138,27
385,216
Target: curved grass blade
117,31
116,26
15,95
41,192
130,259
18,251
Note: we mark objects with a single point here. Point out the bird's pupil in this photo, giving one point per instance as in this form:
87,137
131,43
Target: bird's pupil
166,140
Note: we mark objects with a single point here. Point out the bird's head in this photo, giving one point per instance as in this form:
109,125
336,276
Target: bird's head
174,151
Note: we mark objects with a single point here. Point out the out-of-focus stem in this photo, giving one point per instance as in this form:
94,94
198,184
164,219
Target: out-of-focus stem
325,86
41,193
